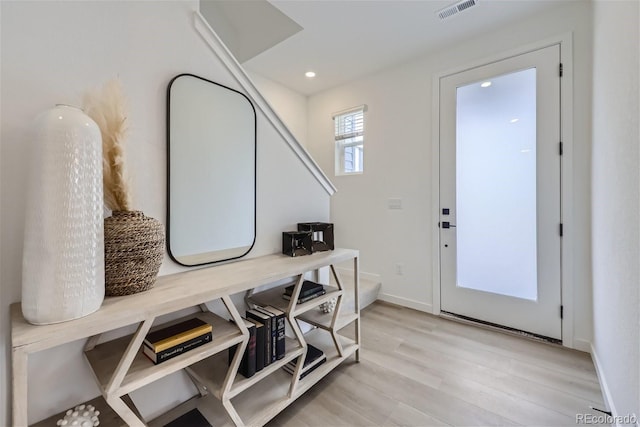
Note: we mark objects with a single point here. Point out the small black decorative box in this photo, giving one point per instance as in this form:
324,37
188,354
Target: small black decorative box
322,235
296,243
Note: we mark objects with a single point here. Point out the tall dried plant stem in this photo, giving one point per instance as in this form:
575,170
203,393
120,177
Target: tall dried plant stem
107,108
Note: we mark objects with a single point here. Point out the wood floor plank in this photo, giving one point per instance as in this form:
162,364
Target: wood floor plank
475,353
588,389
548,397
404,366
466,362
458,339
362,398
428,400
329,411
551,356
422,370
405,415
386,342
403,317
503,403
496,346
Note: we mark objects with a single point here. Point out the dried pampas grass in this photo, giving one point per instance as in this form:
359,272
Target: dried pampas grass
107,108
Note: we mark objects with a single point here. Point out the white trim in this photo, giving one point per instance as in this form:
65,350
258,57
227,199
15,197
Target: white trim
606,392
435,194
405,302
211,38
530,47
362,108
567,217
566,54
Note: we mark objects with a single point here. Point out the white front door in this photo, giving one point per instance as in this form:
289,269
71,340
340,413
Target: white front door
500,213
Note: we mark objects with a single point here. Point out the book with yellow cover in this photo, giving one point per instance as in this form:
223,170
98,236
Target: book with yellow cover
178,333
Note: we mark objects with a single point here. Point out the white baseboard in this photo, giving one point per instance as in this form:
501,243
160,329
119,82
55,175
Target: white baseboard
608,401
405,302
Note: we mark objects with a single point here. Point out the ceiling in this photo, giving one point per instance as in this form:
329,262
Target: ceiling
342,40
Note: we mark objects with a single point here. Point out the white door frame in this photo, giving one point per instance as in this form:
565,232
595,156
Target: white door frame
566,129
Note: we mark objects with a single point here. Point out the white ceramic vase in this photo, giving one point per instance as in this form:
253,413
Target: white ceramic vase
63,259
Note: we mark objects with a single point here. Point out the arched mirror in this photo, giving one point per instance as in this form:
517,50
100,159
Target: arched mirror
211,171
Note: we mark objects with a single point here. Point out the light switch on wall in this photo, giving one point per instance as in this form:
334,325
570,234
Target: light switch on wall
395,203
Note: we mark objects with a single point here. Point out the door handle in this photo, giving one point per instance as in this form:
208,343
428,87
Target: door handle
447,224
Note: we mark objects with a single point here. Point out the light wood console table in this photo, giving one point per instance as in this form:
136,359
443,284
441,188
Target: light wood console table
226,397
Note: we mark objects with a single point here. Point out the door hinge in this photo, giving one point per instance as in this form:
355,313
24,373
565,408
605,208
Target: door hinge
560,69
560,148
562,312
561,230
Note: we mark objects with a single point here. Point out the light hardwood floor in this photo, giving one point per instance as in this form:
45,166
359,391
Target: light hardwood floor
420,370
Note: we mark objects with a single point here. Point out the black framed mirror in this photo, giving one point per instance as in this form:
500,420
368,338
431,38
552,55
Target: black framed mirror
211,172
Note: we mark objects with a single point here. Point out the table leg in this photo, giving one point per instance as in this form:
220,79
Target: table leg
19,387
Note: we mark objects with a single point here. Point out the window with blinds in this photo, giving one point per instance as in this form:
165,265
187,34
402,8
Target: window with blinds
349,139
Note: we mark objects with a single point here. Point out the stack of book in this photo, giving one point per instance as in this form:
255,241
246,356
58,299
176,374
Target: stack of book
309,291
166,343
314,358
267,331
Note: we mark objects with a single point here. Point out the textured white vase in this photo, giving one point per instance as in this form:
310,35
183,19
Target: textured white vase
63,259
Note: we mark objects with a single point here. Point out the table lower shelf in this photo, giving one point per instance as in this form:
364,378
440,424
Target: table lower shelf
265,399
212,371
105,357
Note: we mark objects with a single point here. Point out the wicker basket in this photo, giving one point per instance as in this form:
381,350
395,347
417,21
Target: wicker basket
133,252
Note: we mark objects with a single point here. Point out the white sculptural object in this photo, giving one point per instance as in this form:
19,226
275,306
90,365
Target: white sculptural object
81,416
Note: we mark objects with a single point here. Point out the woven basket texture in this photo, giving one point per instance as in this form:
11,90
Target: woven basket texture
133,252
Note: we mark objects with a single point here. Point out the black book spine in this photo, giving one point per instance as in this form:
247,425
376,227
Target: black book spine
313,368
311,292
260,336
278,319
273,337
308,297
306,292
248,363
273,334
266,320
280,342
177,350
250,353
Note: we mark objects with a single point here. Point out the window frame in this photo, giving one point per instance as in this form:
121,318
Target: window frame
344,140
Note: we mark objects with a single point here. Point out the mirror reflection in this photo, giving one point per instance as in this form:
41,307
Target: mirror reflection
211,171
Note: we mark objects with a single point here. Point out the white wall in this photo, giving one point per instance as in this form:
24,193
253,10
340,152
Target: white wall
54,51
398,159
616,210
290,106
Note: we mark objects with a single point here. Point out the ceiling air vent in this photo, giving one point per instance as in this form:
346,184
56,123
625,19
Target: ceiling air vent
449,11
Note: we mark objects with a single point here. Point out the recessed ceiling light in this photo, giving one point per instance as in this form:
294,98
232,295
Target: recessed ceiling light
310,74
485,84
514,120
